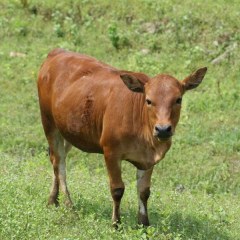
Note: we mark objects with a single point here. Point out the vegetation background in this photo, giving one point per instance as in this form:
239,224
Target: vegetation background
195,189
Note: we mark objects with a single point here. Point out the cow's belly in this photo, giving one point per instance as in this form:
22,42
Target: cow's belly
82,142
82,136
78,116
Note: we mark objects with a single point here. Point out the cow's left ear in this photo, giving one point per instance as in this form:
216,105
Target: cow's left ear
134,82
193,80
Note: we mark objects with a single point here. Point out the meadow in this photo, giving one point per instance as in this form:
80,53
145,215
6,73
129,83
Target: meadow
195,189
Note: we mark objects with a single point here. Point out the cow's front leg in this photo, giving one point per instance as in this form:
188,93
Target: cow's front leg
116,185
143,189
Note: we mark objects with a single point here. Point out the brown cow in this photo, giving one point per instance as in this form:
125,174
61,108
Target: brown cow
100,109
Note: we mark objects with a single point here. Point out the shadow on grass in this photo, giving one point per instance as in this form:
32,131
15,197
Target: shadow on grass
86,207
188,226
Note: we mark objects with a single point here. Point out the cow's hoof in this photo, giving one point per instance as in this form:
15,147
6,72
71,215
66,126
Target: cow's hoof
116,224
143,220
68,203
53,201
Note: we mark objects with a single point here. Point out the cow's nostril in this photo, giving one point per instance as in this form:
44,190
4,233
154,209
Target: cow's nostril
168,128
163,131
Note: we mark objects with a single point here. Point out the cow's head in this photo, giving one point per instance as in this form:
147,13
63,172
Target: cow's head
163,98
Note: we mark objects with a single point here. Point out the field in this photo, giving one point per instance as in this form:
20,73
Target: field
195,189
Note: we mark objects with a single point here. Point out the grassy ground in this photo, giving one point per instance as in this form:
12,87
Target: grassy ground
196,189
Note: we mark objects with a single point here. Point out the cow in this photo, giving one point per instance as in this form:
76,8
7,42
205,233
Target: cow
123,115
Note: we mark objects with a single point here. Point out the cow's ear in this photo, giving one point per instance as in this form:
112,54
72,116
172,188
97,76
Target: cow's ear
193,80
134,83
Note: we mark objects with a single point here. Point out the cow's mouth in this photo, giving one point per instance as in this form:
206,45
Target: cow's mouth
163,139
163,132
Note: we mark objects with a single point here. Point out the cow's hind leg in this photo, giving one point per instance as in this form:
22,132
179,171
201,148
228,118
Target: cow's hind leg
58,151
143,189
116,184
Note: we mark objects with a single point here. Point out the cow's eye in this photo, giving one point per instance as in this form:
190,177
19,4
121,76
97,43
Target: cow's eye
149,102
179,100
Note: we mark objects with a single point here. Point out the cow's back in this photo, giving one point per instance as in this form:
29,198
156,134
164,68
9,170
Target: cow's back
78,94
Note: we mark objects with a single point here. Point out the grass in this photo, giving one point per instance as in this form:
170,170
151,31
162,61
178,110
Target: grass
195,189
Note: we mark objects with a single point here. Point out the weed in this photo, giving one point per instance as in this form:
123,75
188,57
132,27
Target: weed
113,35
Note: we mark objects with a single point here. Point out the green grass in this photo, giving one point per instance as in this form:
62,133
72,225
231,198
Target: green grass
204,159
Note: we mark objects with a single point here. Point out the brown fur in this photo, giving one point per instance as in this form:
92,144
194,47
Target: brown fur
100,109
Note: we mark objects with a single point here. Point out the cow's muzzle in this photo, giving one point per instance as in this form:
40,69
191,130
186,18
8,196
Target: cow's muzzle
163,132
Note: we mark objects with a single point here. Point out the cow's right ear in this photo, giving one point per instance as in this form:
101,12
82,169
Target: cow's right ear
133,83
